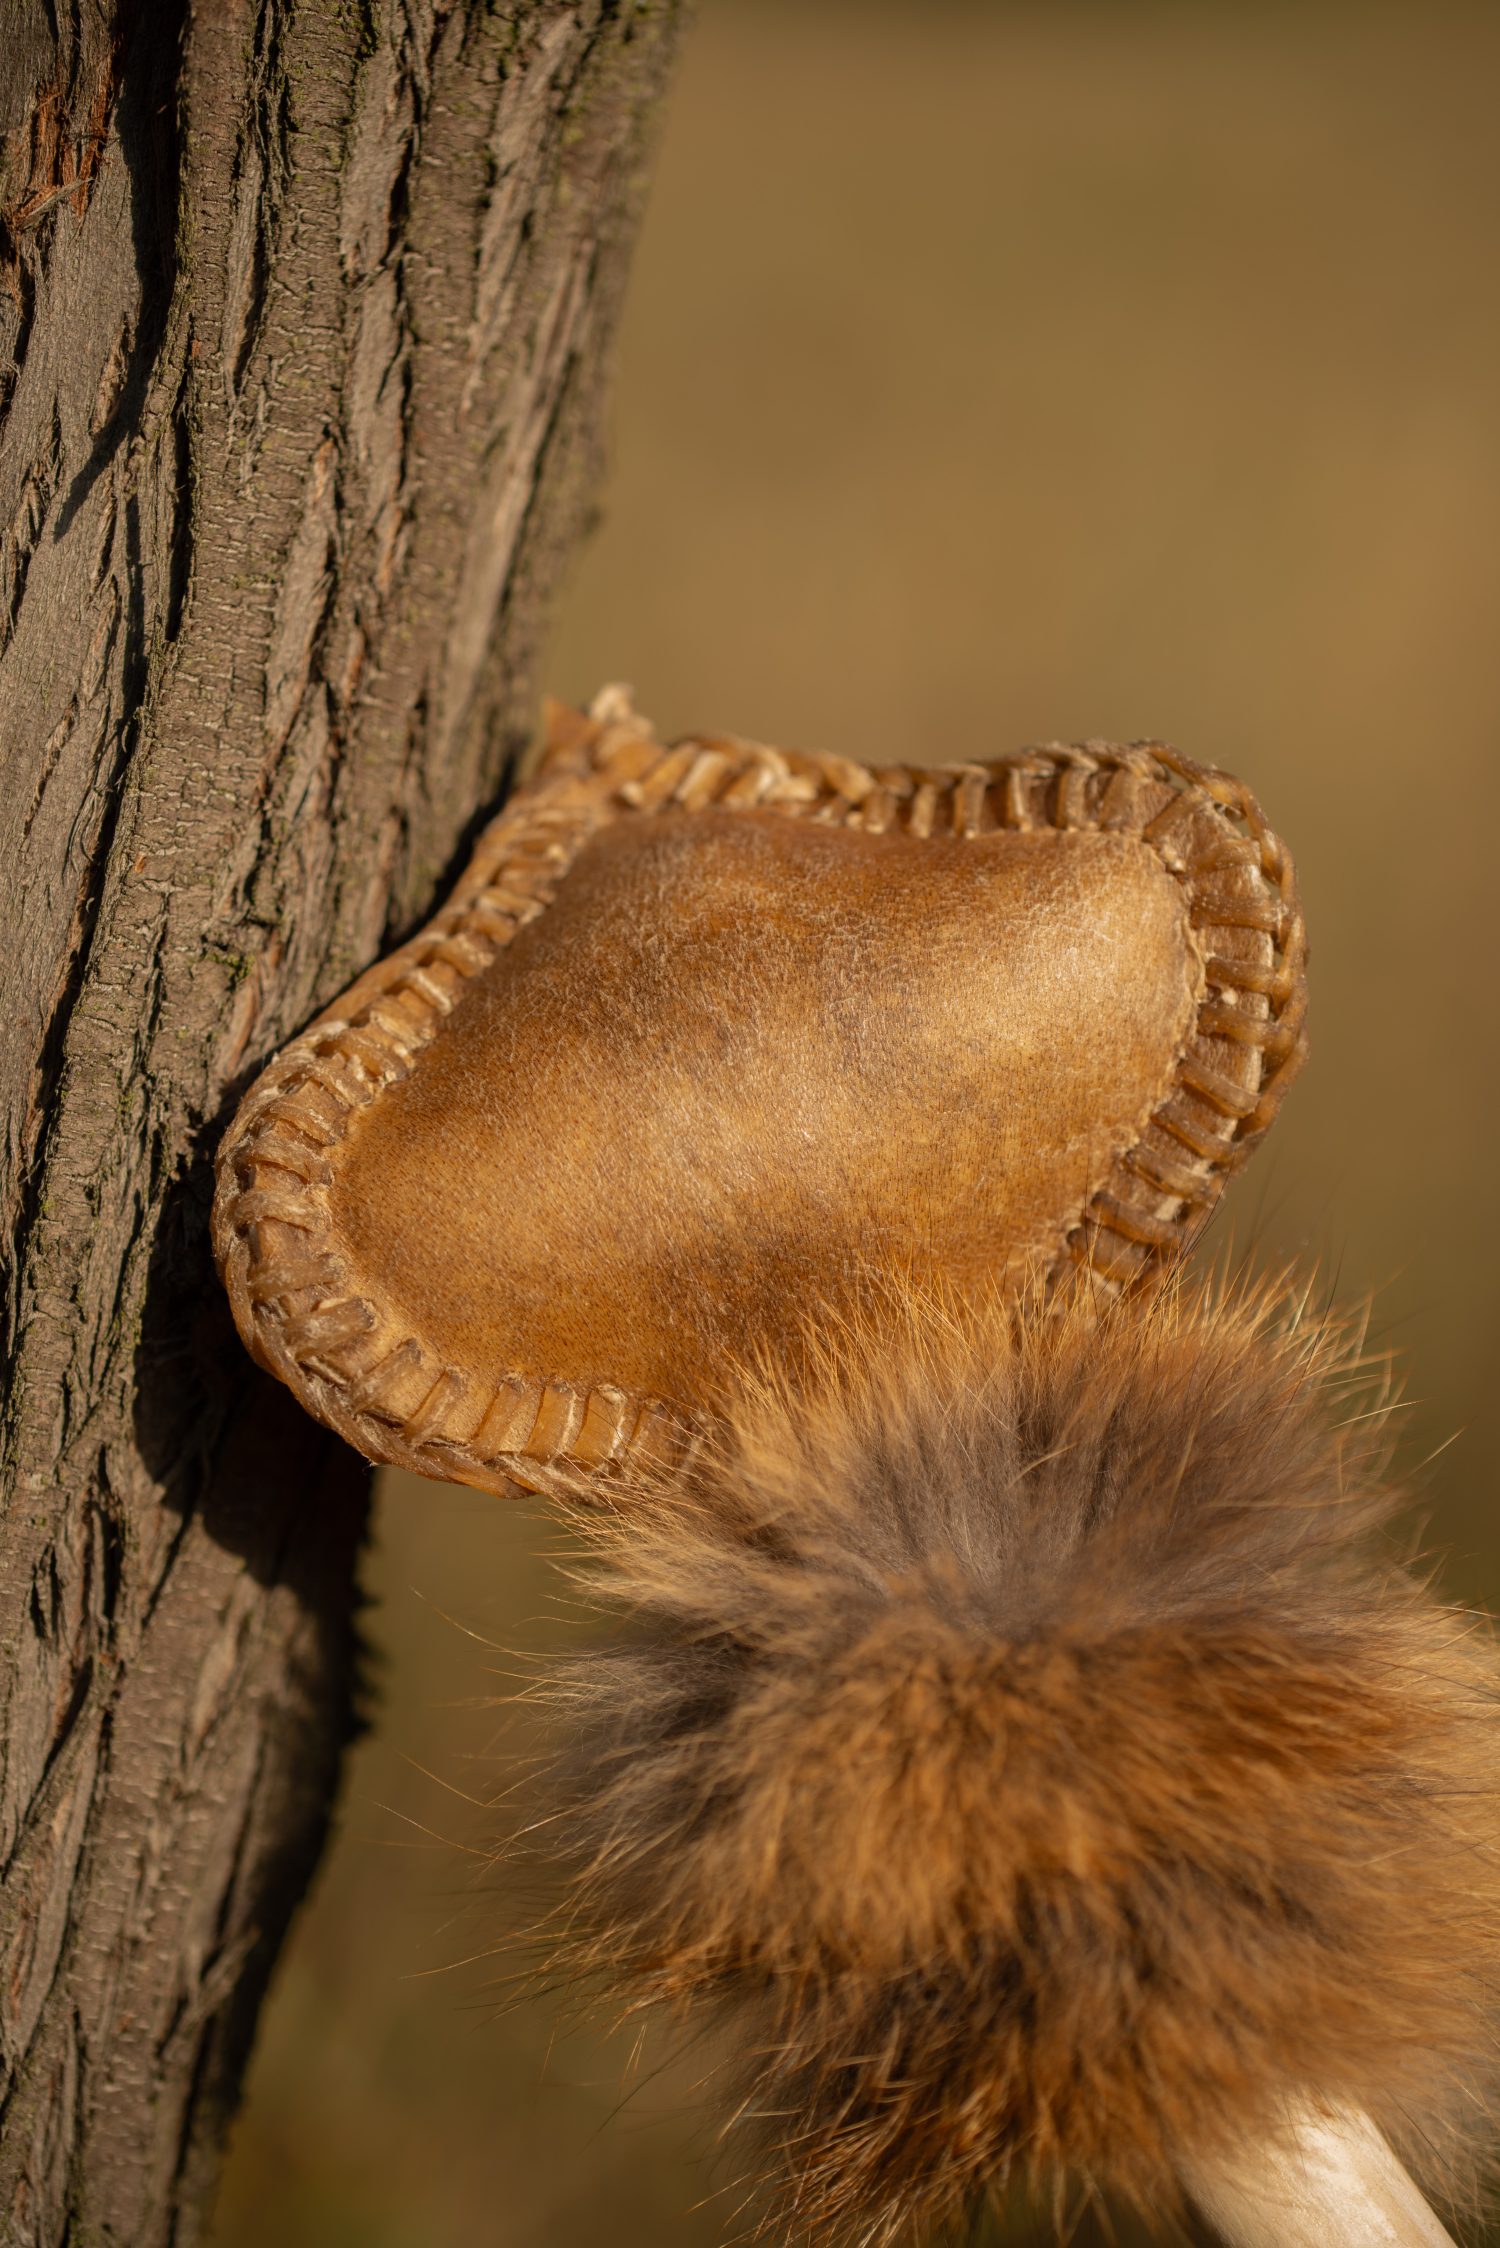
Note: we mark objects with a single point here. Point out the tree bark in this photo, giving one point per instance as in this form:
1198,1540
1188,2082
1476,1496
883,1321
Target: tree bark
304,312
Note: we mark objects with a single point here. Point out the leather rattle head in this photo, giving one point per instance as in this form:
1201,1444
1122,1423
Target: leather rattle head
713,1034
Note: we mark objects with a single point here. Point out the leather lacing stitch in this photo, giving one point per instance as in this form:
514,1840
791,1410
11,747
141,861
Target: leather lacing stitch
383,1391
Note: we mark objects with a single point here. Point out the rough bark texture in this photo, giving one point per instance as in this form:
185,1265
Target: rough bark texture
303,306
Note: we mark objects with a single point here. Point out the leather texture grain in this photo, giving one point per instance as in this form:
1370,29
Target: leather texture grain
712,1041
741,1061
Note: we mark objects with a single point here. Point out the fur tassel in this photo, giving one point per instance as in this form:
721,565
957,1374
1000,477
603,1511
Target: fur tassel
1024,1729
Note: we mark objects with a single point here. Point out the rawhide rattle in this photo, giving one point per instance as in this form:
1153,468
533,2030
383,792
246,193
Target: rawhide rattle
1020,1727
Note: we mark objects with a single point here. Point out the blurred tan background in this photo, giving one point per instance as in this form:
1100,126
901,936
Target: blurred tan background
992,373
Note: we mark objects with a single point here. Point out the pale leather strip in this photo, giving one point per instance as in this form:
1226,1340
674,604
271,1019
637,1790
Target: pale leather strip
397,1239
1330,2181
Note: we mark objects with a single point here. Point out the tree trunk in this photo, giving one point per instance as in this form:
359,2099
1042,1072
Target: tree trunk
303,311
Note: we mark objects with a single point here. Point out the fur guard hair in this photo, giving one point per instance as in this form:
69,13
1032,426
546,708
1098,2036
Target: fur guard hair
1026,1731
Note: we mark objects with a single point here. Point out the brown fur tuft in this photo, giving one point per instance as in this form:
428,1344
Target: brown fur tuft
1028,1732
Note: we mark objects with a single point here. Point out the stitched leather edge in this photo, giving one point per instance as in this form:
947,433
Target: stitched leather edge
386,1393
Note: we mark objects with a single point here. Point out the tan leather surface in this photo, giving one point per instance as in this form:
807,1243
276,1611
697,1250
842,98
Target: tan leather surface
740,1062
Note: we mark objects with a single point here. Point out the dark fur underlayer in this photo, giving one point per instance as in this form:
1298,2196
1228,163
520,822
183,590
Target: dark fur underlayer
1029,1735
